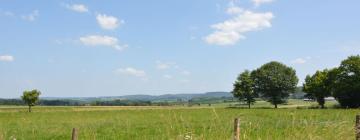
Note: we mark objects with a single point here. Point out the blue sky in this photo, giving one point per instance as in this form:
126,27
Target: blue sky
109,48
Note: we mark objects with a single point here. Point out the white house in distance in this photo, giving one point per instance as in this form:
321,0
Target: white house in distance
326,99
329,99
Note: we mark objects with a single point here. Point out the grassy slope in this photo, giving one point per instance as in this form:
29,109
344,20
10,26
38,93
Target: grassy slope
175,123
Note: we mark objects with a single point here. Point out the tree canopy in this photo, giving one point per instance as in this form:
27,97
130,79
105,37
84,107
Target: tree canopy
274,81
31,97
317,86
244,88
346,82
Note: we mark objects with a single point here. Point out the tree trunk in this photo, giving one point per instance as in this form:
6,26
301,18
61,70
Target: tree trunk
29,108
249,104
321,101
275,105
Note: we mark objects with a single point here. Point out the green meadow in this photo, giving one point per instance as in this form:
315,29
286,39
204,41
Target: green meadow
176,123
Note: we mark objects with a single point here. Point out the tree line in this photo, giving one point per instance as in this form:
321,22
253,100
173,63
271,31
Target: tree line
31,98
275,81
67,102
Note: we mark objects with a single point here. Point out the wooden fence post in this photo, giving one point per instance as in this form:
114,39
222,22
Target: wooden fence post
74,134
357,127
237,129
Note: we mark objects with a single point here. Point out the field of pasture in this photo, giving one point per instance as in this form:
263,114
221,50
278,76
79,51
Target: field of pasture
176,123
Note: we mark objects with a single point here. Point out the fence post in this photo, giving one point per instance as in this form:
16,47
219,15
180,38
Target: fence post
357,127
74,134
237,129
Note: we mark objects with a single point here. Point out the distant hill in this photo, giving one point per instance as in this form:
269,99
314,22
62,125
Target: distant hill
172,97
165,97
142,100
298,94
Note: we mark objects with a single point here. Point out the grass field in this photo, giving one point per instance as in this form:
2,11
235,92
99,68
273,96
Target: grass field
177,123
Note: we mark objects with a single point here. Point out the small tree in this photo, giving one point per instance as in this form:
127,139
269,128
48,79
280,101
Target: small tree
31,97
318,86
243,88
274,81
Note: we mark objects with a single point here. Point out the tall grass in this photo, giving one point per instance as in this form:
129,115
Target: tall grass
176,123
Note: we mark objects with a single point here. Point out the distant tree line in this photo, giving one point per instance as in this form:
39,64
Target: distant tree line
11,102
122,103
116,102
66,102
41,102
275,81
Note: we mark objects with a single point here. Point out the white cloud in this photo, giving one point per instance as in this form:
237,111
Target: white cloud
6,58
232,30
131,71
234,10
301,60
245,22
108,22
223,38
166,76
260,2
78,8
32,16
98,40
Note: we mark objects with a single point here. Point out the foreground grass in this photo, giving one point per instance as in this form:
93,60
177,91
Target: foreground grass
156,123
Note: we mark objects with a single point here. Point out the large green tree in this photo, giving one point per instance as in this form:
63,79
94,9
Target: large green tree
346,82
244,88
318,86
274,81
31,97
